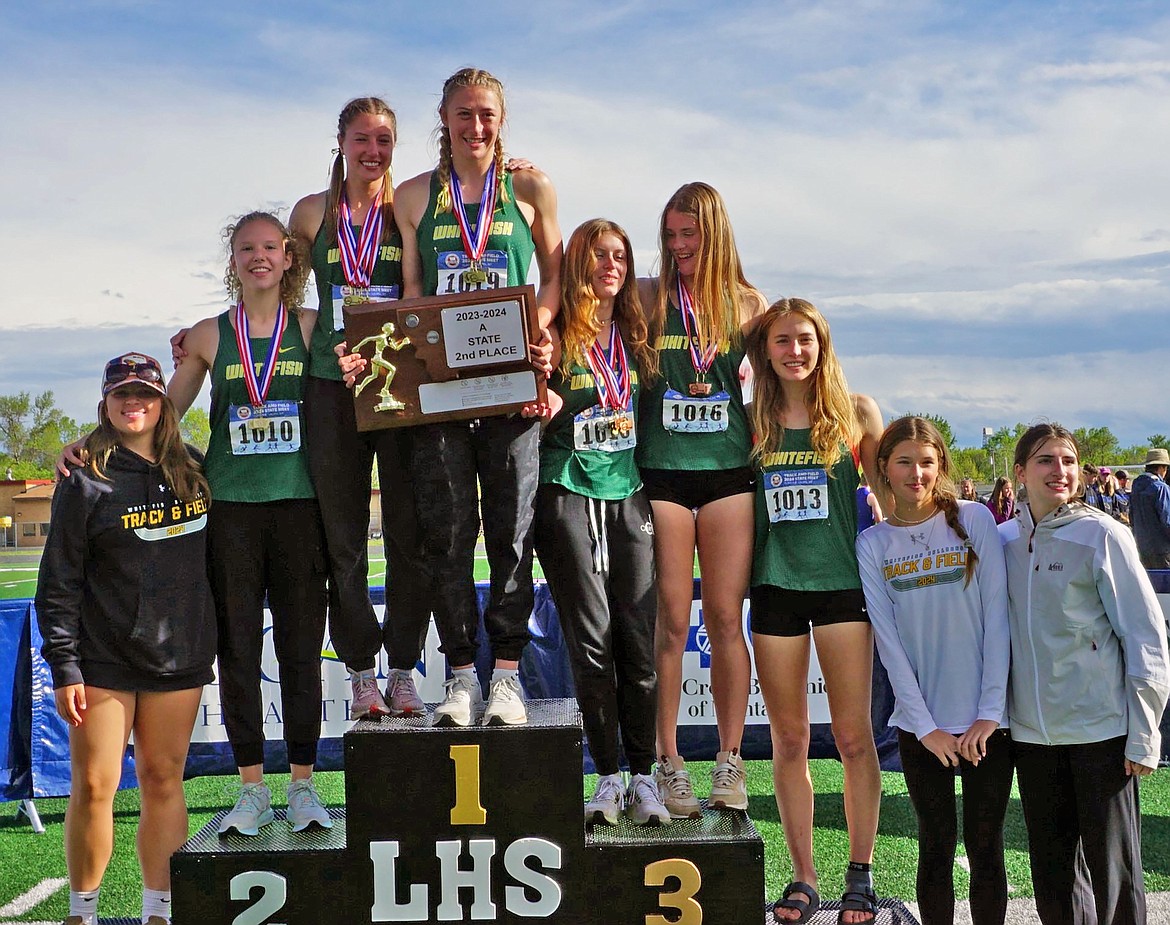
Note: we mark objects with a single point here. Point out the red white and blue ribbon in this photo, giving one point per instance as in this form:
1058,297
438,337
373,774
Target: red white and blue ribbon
258,385
474,242
700,360
611,371
359,255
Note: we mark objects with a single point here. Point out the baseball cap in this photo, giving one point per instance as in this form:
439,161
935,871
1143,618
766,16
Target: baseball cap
133,369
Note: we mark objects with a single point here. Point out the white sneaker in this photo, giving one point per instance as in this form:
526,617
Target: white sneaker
253,810
728,783
643,805
609,799
366,700
675,790
462,704
505,706
402,696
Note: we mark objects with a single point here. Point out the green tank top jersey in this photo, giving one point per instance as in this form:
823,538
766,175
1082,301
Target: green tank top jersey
814,554
610,476
327,270
262,476
440,246
659,448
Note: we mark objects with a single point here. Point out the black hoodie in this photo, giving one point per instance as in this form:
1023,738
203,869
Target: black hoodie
122,599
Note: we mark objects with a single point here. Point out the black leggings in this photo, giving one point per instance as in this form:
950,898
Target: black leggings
986,789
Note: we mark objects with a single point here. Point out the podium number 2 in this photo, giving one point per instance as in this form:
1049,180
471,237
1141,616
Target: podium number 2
467,809
272,896
682,899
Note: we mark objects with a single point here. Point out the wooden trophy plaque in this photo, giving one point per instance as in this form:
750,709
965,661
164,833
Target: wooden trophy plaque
444,358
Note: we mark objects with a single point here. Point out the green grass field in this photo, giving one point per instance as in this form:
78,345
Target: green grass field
27,860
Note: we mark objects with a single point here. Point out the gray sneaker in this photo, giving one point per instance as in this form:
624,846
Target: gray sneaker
366,700
402,696
462,704
643,805
608,801
253,810
505,706
304,806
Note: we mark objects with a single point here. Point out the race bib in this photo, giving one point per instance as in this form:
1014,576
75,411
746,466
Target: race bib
356,295
689,414
456,273
274,427
608,431
796,494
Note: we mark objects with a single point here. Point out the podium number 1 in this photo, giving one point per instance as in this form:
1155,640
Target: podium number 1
467,809
683,899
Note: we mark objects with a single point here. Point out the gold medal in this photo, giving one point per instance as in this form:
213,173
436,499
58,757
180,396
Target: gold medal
475,274
699,389
621,426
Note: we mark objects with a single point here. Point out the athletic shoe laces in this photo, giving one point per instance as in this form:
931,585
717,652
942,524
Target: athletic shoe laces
302,796
726,774
644,791
608,791
678,782
364,686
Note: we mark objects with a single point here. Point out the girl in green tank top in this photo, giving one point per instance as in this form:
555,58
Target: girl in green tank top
693,453
593,529
808,428
263,501
467,225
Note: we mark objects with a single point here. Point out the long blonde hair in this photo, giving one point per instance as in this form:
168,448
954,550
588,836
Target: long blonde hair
181,472
832,417
578,317
719,285
469,77
360,106
922,430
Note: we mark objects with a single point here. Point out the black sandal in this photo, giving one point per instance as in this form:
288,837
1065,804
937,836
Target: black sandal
855,900
806,909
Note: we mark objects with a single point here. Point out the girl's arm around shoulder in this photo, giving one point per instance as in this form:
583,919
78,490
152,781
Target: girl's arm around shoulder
201,344
752,306
535,188
869,423
410,202
307,215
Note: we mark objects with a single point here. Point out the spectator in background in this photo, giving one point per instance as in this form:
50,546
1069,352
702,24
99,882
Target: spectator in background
1149,510
1002,502
967,490
1090,477
1121,496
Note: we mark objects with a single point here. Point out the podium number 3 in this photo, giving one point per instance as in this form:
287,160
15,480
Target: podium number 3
467,809
683,899
273,893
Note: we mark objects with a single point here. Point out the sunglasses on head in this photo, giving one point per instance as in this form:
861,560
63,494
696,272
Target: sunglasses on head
120,372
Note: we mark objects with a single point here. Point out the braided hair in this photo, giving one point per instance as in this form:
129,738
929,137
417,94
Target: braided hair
468,77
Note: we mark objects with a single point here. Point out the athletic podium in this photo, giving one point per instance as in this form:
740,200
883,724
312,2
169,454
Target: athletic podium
471,825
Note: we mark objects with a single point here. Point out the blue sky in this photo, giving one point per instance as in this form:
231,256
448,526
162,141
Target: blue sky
974,193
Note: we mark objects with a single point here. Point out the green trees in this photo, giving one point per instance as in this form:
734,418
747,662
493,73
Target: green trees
32,432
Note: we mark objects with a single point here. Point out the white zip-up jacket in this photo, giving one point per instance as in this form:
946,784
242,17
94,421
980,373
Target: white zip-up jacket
1089,652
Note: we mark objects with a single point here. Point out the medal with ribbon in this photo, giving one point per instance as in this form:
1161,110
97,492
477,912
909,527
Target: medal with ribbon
700,360
358,255
258,386
611,377
474,242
